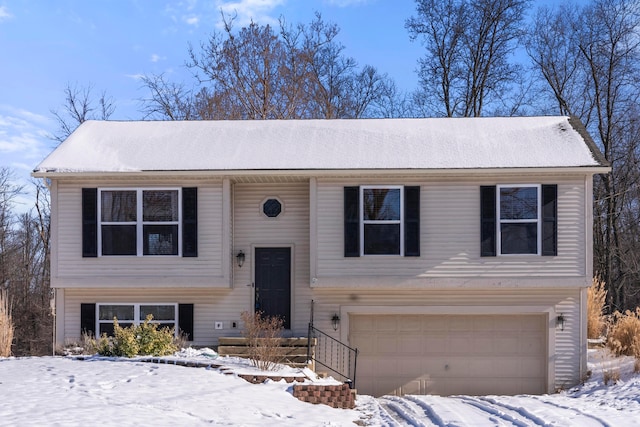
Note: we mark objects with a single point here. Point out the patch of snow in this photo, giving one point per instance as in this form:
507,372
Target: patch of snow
267,145
40,391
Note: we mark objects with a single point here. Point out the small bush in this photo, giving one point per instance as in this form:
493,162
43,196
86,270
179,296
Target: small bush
263,339
6,326
153,340
596,298
125,343
624,334
145,339
611,375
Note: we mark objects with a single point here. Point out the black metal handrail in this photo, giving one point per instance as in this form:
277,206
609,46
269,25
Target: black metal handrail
333,355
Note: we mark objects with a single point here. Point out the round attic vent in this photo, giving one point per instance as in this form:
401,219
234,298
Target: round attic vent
272,208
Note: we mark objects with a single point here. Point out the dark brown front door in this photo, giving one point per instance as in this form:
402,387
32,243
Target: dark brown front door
273,283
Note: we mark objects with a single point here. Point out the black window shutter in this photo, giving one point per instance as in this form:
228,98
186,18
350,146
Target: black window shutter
488,220
190,222
88,319
351,221
185,320
89,222
549,220
412,221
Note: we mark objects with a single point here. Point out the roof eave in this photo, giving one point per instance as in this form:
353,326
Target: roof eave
592,170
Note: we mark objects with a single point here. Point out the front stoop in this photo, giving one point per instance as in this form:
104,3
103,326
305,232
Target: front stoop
291,351
336,396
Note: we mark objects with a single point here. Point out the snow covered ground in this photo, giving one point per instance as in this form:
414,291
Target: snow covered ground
47,391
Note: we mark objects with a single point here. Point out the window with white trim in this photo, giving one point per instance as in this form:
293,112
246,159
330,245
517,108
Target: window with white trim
139,221
382,225
519,212
165,315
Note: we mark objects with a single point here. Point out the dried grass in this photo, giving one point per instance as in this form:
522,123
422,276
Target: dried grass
263,335
611,375
596,298
6,326
624,333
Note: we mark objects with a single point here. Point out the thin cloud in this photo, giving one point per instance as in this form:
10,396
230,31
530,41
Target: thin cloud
4,14
246,11
135,76
347,3
157,58
23,132
193,20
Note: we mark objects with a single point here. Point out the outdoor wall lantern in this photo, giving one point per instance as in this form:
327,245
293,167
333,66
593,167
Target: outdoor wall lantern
560,321
335,321
240,259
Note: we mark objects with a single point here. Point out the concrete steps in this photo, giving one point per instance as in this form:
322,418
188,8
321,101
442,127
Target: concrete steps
289,351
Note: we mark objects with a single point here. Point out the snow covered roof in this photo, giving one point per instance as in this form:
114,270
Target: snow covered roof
268,145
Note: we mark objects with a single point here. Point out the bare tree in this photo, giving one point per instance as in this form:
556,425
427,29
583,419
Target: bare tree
169,100
589,59
24,268
259,73
80,106
467,68
8,192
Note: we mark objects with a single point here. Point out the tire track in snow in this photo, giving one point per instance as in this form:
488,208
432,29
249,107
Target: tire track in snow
428,411
403,411
454,412
569,408
508,412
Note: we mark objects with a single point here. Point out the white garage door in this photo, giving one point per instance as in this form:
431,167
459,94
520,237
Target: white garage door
450,354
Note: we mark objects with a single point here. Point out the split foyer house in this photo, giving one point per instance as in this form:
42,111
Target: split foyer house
455,254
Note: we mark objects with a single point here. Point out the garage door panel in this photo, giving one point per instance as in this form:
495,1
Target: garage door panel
508,345
532,344
482,345
386,324
362,324
434,323
387,344
410,345
408,366
460,323
466,354
530,367
437,344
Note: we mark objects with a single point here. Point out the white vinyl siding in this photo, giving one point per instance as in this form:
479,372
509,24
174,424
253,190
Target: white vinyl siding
450,234
210,306
75,271
251,229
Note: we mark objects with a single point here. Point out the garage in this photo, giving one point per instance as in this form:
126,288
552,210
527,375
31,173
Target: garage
450,354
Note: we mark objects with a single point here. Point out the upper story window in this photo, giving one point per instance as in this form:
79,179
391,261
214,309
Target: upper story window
139,222
519,220
519,216
382,220
382,225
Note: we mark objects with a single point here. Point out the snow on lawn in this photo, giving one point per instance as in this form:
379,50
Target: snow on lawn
44,391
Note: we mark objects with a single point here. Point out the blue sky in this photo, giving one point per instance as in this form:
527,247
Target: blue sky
108,44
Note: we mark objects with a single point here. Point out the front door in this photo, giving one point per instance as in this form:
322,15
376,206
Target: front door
273,283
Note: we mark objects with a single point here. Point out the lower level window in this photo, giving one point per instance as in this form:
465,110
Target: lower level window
165,315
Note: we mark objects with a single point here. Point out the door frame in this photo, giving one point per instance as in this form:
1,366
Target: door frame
252,296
